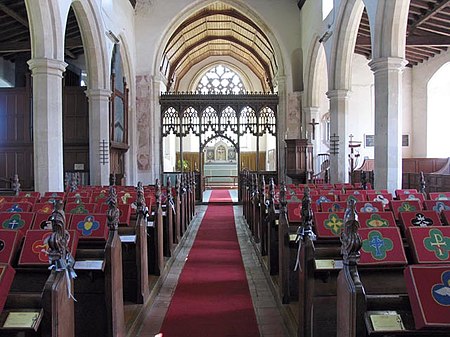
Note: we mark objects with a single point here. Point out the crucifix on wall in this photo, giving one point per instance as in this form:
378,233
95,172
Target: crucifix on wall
313,128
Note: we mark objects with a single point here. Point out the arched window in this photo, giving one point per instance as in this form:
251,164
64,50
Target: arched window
438,116
327,7
220,80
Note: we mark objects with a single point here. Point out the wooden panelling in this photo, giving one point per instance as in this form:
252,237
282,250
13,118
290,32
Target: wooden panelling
248,161
16,147
426,165
17,159
76,115
15,114
434,182
76,128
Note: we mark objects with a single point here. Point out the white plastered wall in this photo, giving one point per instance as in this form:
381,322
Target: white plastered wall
421,74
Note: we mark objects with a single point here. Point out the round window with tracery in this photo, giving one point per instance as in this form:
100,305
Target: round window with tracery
220,80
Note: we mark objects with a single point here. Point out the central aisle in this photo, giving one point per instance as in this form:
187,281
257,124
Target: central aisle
212,297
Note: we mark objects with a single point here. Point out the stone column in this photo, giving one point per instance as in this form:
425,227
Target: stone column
338,135
388,122
99,155
281,131
47,124
310,114
156,146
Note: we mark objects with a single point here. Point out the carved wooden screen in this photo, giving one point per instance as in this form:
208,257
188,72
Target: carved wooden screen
210,116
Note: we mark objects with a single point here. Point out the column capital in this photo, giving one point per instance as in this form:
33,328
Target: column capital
387,64
98,93
338,93
44,66
311,109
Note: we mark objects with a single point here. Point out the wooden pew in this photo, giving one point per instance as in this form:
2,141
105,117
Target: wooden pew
43,294
135,254
155,237
271,223
373,301
319,263
99,310
288,275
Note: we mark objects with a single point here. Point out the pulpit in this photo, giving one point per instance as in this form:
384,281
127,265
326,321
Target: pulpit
299,160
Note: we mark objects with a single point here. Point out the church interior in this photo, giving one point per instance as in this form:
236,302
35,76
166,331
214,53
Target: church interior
224,168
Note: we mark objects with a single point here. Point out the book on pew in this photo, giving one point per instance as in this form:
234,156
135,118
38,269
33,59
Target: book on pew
430,244
9,244
429,294
6,278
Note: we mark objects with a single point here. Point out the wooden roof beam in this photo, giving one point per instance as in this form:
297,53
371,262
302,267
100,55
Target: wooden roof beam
414,40
428,14
14,15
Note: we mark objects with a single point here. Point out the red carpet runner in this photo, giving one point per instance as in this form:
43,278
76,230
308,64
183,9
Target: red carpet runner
212,298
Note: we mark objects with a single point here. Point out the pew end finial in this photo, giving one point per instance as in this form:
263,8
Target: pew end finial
350,239
113,212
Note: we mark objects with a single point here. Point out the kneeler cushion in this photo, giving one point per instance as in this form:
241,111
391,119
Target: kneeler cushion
328,225
6,278
35,246
412,196
318,199
125,212
90,226
9,244
439,195
437,205
74,208
126,198
26,194
336,206
16,221
398,206
382,246
419,219
43,207
430,244
429,294
14,207
376,220
294,210
369,206
356,197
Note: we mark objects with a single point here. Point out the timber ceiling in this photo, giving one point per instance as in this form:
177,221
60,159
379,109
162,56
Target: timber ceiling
428,31
220,30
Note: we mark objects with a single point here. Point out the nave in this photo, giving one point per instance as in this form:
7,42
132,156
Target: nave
269,317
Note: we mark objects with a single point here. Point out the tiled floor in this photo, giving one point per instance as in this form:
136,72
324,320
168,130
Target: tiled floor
269,318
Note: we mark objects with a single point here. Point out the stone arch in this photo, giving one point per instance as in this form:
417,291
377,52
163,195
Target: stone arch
172,26
388,27
341,56
89,19
128,69
316,57
45,25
